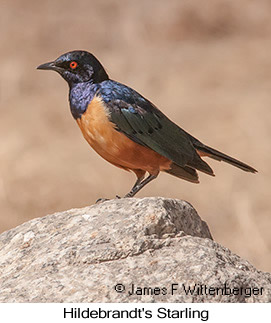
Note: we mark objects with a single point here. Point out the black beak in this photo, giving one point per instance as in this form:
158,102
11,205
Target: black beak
48,66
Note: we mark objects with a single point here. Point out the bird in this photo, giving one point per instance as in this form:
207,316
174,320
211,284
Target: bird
128,130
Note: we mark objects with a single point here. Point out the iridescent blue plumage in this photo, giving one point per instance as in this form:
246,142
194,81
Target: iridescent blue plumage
81,95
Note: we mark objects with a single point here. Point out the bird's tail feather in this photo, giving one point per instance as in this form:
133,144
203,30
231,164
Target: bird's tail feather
215,154
185,172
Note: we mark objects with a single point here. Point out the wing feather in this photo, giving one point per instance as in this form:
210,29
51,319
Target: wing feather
142,122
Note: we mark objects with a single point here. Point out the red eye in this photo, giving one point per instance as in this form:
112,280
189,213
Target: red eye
73,65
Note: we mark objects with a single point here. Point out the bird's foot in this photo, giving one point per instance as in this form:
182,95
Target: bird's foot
130,194
101,200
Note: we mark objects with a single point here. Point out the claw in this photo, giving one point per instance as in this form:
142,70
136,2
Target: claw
101,200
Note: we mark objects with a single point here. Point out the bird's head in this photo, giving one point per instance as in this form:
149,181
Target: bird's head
77,67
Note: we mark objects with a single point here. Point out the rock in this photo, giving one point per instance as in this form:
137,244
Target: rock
155,246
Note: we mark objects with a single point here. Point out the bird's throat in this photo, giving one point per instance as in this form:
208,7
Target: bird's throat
80,95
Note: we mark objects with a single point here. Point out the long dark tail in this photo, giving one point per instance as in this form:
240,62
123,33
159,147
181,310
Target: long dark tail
215,154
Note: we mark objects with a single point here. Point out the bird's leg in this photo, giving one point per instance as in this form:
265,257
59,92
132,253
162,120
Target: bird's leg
139,184
138,181
140,176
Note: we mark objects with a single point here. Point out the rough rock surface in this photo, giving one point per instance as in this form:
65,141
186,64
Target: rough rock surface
98,253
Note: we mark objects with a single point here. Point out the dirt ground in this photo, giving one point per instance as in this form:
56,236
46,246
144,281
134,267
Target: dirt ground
207,65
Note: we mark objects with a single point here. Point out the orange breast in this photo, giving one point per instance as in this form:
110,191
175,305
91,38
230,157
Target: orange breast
113,145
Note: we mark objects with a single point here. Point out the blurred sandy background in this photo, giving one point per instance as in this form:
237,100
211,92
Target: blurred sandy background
206,64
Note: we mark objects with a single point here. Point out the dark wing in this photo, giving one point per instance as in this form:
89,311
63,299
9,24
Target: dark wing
143,123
